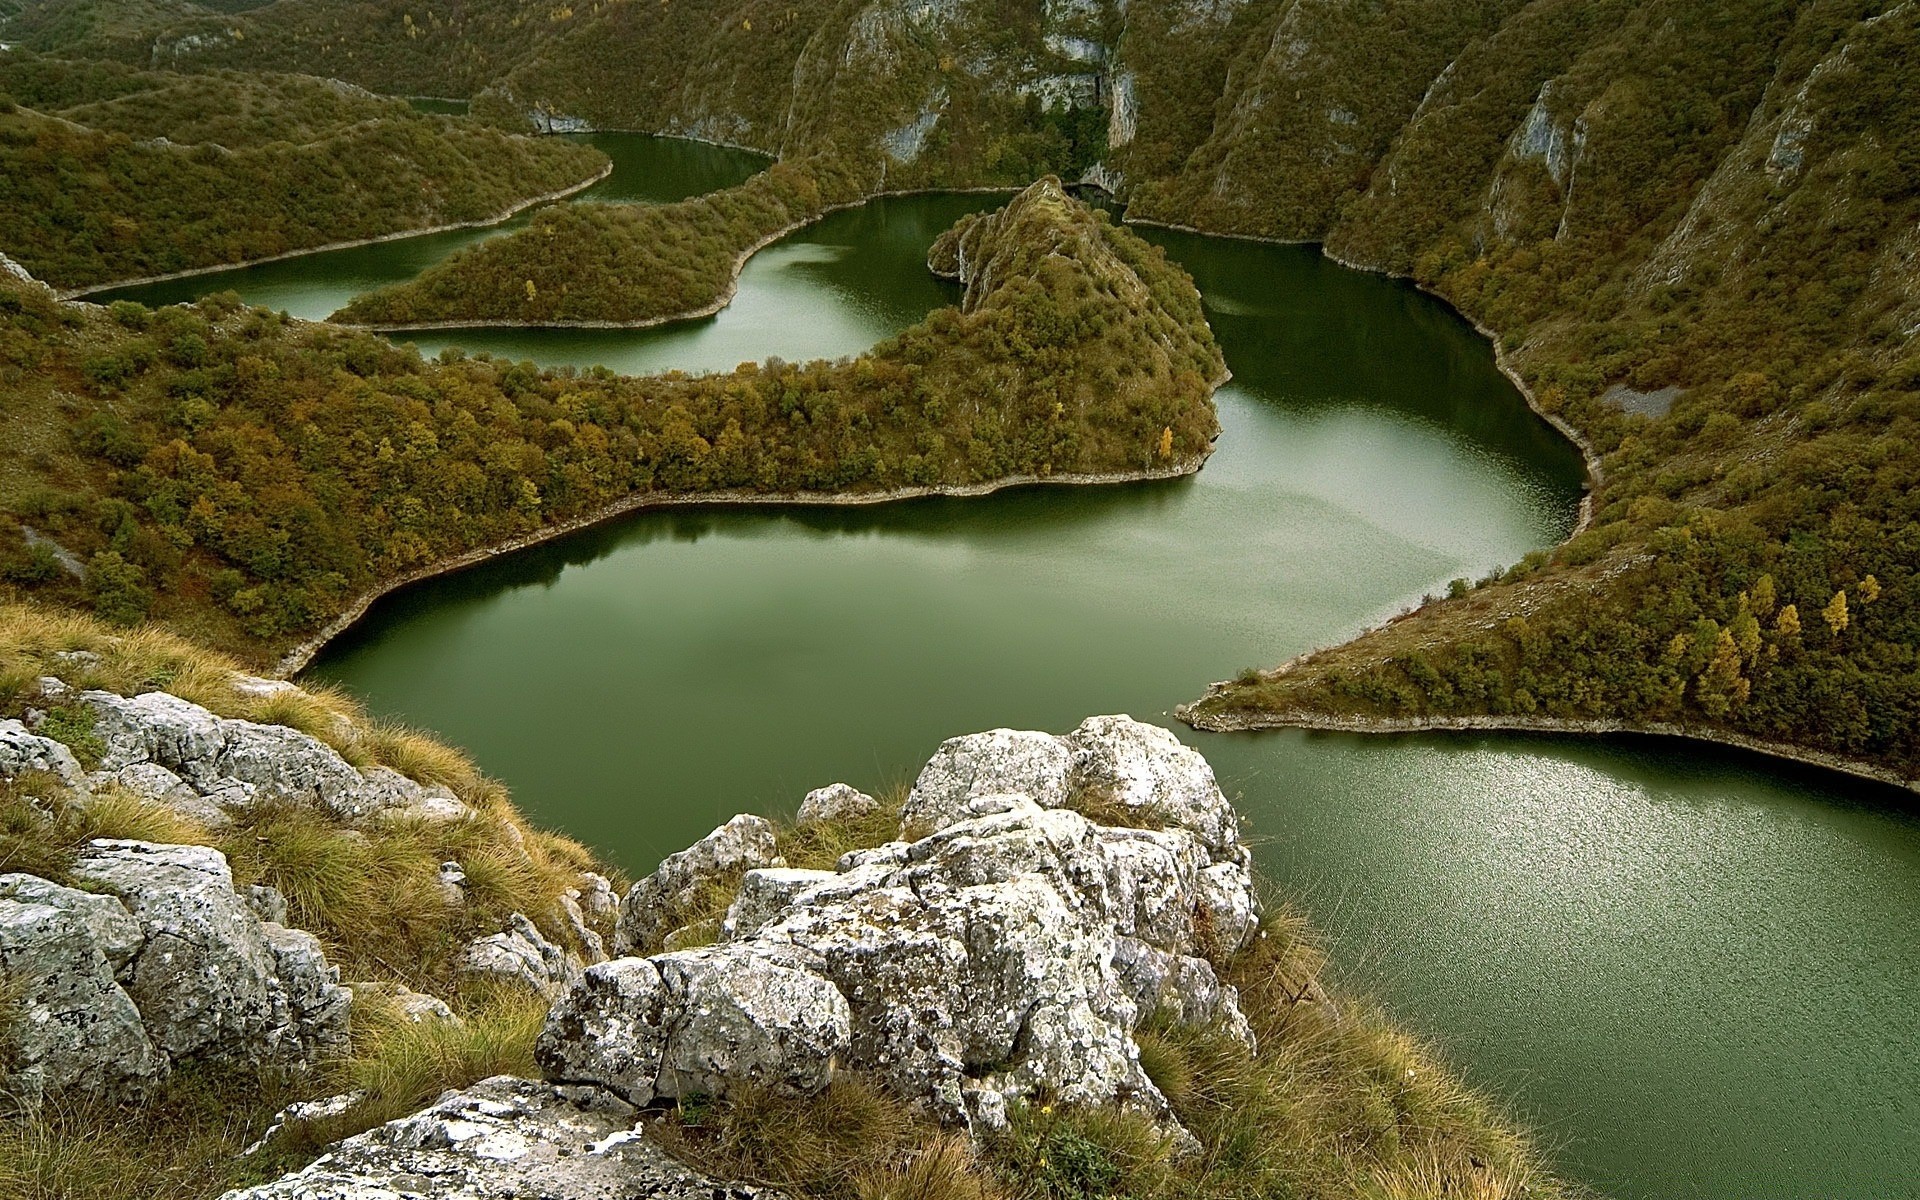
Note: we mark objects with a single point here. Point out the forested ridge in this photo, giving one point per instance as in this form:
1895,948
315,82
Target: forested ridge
108,172
1687,222
245,478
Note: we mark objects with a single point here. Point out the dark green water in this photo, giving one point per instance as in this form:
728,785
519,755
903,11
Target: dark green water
646,169
1694,972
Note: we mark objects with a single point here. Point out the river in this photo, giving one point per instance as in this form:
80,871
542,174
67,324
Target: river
1692,971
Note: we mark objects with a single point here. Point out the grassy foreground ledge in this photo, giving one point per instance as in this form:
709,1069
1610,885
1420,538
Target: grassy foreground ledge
108,173
249,481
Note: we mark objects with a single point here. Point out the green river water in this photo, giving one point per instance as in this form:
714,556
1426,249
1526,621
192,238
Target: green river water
1694,972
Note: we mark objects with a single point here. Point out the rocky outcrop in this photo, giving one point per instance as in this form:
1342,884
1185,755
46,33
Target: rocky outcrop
520,955
505,1139
178,753
659,904
1004,946
164,962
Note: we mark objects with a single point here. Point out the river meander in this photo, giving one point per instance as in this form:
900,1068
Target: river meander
1694,972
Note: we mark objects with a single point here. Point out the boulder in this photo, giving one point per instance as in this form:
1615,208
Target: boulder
836,802
415,1008
1112,760
520,955
210,979
75,1032
23,752
1007,950
108,922
178,753
504,1139
696,1022
656,906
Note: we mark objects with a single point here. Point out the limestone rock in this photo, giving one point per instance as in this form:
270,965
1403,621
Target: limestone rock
416,1008
108,922
521,955
695,1022
177,752
23,752
74,1031
836,802
1008,951
210,979
653,907
504,1139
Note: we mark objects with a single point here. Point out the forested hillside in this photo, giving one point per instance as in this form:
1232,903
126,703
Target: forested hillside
1689,224
108,172
245,478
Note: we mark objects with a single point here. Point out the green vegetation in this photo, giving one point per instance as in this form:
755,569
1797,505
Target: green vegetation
1733,227
244,478
108,173
623,263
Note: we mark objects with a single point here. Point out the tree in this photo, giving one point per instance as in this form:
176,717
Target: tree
1835,613
1787,626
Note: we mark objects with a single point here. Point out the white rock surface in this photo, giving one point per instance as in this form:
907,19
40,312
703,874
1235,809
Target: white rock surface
176,752
1009,952
653,907
836,802
211,979
504,1139
521,955
24,752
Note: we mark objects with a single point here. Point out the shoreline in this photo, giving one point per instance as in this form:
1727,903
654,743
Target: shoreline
1576,727
717,305
1503,361
81,294
296,659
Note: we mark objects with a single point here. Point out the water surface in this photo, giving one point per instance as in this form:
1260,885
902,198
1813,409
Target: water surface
1694,971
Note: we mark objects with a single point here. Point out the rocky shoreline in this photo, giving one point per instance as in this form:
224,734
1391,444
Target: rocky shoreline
1236,722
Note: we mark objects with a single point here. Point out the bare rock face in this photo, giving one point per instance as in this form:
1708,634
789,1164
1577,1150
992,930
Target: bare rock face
653,906
504,1139
23,752
1006,946
521,955
165,963
211,979
178,753
694,1022
1112,760
74,1031
836,802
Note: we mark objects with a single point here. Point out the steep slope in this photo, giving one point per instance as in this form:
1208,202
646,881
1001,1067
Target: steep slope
108,173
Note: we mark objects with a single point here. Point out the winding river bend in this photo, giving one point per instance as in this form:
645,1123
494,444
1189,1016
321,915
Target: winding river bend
1695,971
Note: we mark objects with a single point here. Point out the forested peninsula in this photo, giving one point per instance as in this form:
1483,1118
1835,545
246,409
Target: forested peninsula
247,479
110,173
1686,225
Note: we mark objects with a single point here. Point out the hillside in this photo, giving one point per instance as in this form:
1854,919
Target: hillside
247,479
1688,225
109,173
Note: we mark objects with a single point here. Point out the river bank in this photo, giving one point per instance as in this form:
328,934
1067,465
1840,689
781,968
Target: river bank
401,235
297,658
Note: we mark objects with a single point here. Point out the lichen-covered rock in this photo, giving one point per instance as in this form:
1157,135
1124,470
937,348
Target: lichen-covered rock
654,906
695,1022
836,802
23,752
1112,760
210,979
74,1031
504,1139
521,955
415,1008
1008,950
108,922
176,752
